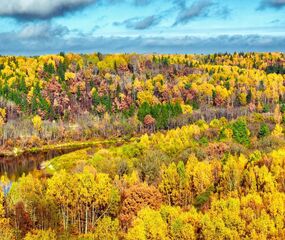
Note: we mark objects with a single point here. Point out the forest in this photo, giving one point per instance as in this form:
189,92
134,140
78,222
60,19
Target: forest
160,146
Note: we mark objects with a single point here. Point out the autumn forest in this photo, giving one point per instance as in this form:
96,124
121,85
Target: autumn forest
142,146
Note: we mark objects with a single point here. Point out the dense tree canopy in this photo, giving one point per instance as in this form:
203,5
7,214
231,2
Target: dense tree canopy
160,91
197,151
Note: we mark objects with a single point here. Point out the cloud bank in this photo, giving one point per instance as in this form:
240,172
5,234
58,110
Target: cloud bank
45,38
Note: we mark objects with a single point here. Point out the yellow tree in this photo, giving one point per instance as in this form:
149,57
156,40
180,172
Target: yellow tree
41,235
200,176
223,220
277,114
182,225
2,120
37,123
30,191
6,231
148,225
62,190
86,194
278,130
107,229
169,185
262,228
232,174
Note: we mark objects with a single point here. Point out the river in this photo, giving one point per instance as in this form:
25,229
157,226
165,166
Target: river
16,166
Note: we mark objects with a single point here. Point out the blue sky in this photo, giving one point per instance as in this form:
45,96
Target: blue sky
33,27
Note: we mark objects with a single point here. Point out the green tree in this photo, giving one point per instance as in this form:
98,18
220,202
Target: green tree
263,131
241,132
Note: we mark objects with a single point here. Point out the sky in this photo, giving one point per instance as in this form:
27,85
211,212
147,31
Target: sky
34,27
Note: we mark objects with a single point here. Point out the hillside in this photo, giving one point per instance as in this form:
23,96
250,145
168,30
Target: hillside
69,96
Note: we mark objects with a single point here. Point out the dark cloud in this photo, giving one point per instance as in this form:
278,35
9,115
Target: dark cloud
277,4
140,23
27,10
42,39
43,9
197,9
42,32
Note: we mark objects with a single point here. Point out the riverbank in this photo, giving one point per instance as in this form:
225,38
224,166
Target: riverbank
206,115
15,164
74,145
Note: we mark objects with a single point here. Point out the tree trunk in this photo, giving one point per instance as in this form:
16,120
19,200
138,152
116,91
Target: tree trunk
86,219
